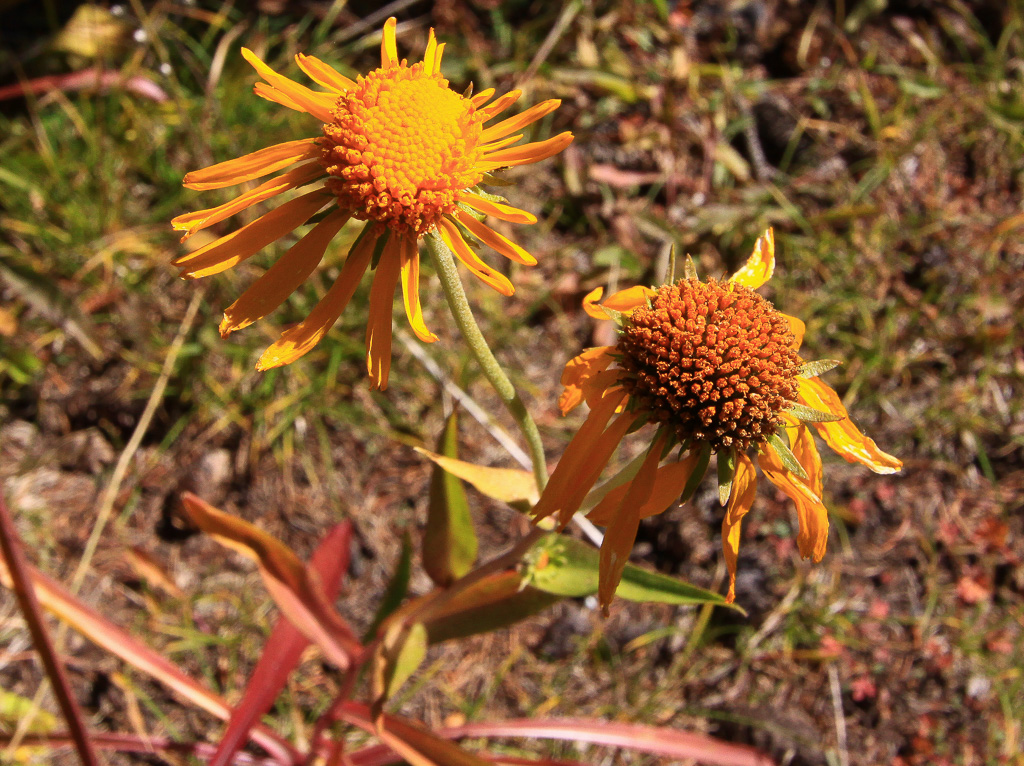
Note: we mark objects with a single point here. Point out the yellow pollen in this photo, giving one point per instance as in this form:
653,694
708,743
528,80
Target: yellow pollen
400,148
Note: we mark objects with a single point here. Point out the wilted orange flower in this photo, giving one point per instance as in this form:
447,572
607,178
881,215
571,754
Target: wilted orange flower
716,370
398,149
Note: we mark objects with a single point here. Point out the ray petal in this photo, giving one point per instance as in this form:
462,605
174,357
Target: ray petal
324,74
500,104
669,482
235,247
493,239
744,488
284,277
521,120
810,510
437,58
300,339
525,154
317,104
453,238
411,289
842,435
761,264
378,325
430,53
798,328
580,369
388,48
497,209
193,222
482,97
250,166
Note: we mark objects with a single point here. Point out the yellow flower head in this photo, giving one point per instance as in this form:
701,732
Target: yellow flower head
715,369
400,150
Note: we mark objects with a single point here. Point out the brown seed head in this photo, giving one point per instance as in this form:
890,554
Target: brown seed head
712,361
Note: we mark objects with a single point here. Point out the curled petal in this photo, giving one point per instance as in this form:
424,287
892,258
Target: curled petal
317,104
301,338
378,325
621,534
810,510
578,371
430,53
411,289
759,267
591,306
842,435
744,488
668,485
254,165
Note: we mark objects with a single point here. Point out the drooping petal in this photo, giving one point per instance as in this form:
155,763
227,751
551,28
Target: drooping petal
759,267
254,165
621,534
590,305
809,509
497,209
744,488
317,104
580,369
235,247
300,339
798,328
284,277
411,289
526,154
521,120
453,238
668,485
801,442
324,74
842,435
493,239
378,325
584,449
201,219
388,47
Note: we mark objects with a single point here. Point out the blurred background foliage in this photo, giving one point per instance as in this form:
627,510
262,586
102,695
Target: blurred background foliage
882,140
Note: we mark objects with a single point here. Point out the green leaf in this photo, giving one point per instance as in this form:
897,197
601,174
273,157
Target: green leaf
786,456
509,485
395,593
818,367
811,415
565,566
698,471
689,269
449,540
726,470
397,657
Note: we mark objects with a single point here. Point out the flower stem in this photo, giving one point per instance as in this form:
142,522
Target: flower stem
444,262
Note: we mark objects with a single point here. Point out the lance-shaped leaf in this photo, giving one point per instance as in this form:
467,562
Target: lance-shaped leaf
509,485
396,657
296,590
56,599
494,602
283,649
449,540
564,566
415,744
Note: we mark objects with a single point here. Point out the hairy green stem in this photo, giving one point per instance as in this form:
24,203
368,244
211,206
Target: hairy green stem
444,263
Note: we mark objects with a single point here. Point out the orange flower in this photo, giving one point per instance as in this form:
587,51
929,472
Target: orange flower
714,368
400,150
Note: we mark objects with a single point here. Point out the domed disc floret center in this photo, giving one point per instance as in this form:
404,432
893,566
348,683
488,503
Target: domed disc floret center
714,362
400,148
